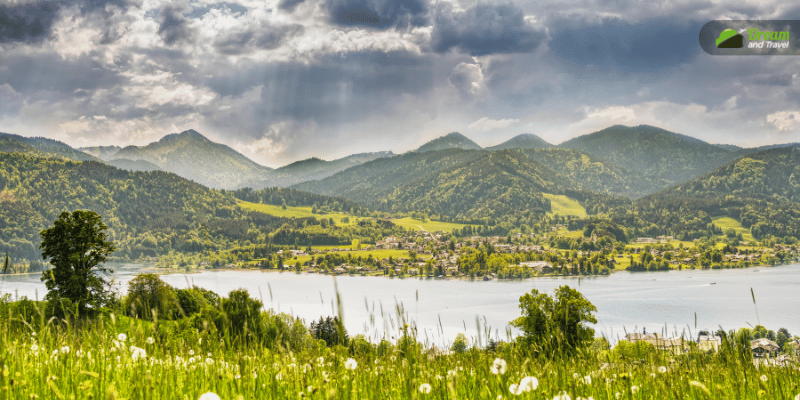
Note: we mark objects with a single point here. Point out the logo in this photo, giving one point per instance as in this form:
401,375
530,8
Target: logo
730,39
769,39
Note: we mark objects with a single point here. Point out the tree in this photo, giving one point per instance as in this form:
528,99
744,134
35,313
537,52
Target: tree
556,323
244,314
329,330
5,265
77,248
148,295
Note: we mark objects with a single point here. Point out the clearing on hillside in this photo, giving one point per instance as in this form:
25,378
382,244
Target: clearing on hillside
563,205
430,226
726,223
295,212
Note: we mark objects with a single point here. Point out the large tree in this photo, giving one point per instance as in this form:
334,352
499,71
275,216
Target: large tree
77,247
556,323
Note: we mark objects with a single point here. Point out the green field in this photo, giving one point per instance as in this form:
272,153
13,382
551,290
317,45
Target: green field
563,205
430,226
726,223
294,212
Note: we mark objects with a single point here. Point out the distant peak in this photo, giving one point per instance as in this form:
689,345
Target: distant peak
187,134
452,140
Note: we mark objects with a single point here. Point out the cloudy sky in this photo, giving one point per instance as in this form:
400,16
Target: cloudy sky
281,80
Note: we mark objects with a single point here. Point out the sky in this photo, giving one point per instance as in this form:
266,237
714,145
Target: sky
282,80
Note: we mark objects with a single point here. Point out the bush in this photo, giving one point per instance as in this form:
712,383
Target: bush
243,314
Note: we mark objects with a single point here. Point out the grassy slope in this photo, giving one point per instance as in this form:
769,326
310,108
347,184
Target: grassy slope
295,212
726,223
430,226
563,205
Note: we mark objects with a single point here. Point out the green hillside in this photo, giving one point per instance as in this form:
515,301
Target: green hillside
652,152
42,147
596,174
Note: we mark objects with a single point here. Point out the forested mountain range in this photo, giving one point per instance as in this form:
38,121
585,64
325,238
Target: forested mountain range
42,146
148,213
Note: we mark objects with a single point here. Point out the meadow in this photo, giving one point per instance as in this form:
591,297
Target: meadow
297,212
118,357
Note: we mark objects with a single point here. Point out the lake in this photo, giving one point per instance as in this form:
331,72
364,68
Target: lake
667,302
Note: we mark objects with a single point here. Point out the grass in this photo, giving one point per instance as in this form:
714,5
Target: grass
726,223
563,205
430,226
295,212
95,361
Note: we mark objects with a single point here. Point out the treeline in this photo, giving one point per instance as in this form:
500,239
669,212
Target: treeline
295,198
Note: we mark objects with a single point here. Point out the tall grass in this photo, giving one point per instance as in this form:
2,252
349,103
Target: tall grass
116,357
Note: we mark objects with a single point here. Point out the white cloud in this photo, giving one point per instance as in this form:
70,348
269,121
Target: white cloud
784,121
488,124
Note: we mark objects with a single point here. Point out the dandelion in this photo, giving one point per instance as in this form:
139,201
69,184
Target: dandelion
634,389
79,353
55,352
562,396
528,383
209,396
210,361
586,380
191,352
34,347
764,378
585,398
321,361
514,389
65,349
150,340
652,375
499,366
123,337
797,397
425,388
662,369
351,364
278,376
138,353
451,373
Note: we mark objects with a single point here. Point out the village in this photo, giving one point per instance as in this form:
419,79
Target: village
440,254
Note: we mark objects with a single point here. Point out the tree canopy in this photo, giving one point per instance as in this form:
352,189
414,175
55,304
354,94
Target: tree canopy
551,323
77,247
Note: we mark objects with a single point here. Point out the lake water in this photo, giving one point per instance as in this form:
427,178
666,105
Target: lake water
668,302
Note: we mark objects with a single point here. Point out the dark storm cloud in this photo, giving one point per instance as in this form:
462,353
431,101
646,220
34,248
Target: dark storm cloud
289,5
381,14
173,26
264,36
47,73
27,22
651,46
484,29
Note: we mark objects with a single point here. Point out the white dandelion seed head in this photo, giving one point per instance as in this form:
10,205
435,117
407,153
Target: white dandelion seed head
34,347
425,388
634,389
514,389
209,361
499,366
209,396
122,337
764,378
528,383
351,364
562,396
662,369
150,340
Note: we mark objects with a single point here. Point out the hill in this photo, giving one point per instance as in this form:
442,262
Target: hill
452,140
104,153
524,141
311,169
192,156
595,174
44,147
131,165
760,190
653,152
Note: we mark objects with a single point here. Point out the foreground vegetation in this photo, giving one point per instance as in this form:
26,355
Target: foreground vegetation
116,356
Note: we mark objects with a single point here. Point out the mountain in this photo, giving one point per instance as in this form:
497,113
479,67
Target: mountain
771,175
191,155
729,147
524,141
131,165
368,183
453,140
311,169
47,147
652,152
595,174
104,153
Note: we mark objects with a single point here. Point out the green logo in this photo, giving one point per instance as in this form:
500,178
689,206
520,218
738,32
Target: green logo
730,39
